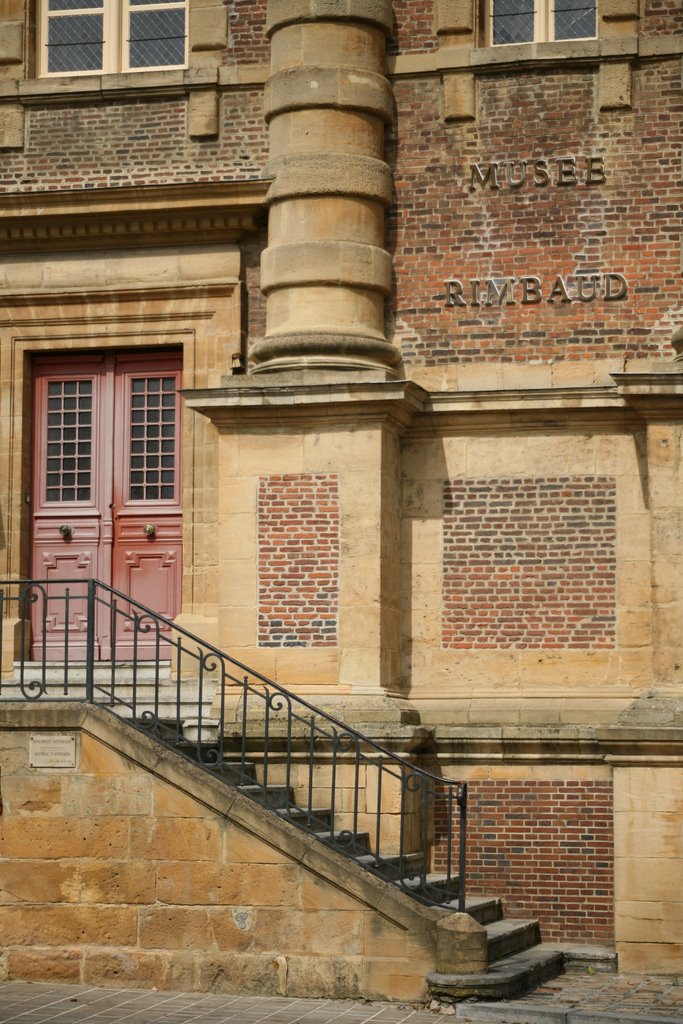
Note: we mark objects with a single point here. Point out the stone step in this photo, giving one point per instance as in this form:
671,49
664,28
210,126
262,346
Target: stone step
275,797
484,909
240,771
319,817
504,979
506,937
392,866
347,842
152,686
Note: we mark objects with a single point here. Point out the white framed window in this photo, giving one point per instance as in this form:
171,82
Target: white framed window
538,21
81,37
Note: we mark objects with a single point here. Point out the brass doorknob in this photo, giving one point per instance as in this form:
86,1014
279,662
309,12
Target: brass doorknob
149,529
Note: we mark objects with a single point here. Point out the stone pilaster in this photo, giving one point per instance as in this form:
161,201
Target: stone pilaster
657,397
326,272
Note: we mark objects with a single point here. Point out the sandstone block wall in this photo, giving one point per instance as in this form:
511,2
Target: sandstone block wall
649,868
133,869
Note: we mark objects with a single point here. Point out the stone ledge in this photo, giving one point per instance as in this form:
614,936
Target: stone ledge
274,397
506,978
68,89
531,55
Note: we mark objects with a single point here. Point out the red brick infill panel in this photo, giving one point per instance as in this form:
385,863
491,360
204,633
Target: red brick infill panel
529,563
546,847
298,560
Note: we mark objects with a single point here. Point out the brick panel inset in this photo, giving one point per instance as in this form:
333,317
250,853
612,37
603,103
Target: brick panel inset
298,560
546,847
529,563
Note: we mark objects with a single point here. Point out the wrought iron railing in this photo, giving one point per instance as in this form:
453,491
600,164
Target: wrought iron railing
83,640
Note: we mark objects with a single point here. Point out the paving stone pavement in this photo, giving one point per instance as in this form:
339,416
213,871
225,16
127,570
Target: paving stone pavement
572,998
578,998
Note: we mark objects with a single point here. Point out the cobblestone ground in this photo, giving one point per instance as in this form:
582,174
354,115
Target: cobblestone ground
613,993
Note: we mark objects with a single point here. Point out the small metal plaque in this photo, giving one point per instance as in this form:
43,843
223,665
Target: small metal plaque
52,750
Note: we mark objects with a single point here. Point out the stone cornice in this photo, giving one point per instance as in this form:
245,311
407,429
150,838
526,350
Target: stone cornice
124,217
48,306
271,399
261,403
547,744
655,394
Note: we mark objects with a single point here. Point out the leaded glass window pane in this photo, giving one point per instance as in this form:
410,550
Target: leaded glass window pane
513,21
77,35
574,19
157,38
74,42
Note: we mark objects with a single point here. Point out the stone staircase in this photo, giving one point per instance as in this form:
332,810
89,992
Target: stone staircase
517,959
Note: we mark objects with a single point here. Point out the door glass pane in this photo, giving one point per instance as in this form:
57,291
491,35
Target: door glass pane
68,467
151,396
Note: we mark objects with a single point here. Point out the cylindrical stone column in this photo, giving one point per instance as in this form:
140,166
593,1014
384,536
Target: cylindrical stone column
326,272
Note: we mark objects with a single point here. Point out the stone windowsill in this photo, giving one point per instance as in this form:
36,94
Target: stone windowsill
492,58
152,83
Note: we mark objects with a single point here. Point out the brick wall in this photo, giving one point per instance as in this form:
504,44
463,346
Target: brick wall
529,563
413,27
298,560
101,144
247,42
662,17
630,225
545,847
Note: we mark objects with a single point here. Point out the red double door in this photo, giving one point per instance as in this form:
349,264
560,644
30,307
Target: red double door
106,499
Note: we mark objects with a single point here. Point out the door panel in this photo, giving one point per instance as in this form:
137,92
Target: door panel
107,490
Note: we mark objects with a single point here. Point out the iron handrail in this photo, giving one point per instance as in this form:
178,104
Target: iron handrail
303,750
